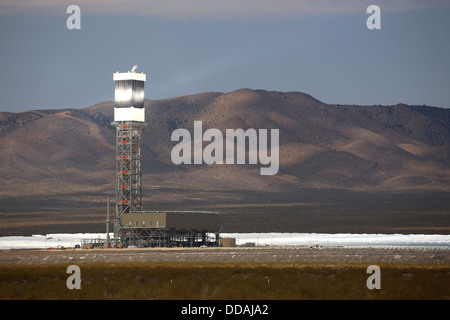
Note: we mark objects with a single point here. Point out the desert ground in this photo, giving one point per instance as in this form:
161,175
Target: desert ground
258,273
308,211
438,256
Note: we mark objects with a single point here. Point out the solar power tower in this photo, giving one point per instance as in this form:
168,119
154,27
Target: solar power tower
129,120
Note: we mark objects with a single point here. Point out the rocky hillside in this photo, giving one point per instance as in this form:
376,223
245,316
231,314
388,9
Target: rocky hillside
375,148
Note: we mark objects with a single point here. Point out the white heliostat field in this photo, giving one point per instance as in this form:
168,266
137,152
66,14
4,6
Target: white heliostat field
260,239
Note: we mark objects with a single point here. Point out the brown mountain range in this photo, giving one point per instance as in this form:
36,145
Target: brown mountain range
65,158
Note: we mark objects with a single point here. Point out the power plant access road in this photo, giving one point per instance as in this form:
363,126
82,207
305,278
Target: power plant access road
239,254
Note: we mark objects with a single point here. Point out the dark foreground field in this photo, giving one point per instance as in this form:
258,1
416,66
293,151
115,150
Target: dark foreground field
230,280
226,274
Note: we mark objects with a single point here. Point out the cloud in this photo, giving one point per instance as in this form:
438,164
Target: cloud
218,9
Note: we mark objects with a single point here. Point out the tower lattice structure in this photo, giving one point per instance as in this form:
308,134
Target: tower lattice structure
129,120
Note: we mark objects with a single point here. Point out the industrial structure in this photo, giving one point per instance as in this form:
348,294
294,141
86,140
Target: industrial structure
170,228
133,225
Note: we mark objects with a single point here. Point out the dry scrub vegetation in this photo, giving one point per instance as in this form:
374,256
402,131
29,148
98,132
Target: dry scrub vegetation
211,280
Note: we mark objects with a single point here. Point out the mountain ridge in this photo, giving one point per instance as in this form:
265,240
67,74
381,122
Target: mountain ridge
321,145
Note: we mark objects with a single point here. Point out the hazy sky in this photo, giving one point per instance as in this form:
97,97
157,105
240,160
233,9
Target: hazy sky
320,47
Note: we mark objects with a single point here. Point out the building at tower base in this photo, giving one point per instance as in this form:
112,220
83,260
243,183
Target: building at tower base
170,229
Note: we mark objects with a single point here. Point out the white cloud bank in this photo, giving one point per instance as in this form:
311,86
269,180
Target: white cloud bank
218,9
